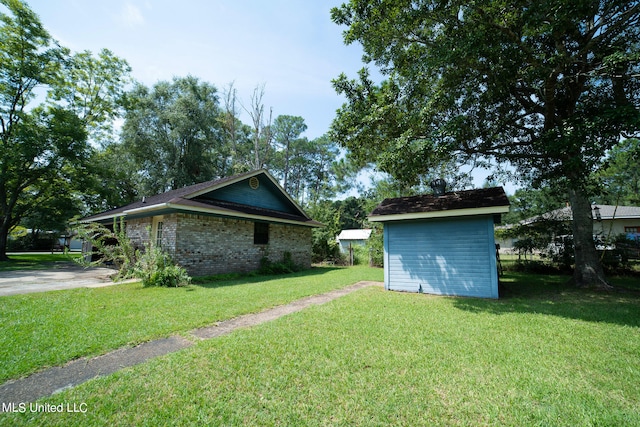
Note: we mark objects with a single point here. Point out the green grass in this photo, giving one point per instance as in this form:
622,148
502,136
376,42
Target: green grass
51,328
543,355
36,261
630,281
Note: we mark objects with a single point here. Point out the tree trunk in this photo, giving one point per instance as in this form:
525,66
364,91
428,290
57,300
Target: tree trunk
4,234
286,167
588,272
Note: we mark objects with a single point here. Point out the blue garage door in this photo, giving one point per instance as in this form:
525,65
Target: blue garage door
445,257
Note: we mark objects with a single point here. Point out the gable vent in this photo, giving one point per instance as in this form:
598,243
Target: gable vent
254,183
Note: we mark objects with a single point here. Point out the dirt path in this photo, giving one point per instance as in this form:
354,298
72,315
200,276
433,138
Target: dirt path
52,380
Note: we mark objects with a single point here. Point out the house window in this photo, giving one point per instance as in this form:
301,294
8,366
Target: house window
260,233
632,230
159,234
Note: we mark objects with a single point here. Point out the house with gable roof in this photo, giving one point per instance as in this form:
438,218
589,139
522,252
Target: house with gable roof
221,226
609,221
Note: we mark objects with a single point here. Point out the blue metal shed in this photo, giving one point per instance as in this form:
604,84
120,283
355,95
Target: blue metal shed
442,244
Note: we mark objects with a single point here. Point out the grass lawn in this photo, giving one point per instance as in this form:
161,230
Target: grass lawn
36,261
542,355
51,328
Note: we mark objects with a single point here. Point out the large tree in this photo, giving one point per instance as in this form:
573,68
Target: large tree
173,133
44,145
235,133
621,174
529,202
286,131
311,168
260,130
321,174
545,86
114,180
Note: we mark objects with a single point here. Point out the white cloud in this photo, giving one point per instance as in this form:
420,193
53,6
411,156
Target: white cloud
131,15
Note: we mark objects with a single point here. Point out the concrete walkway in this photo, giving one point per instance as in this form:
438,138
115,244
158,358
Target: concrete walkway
61,276
52,380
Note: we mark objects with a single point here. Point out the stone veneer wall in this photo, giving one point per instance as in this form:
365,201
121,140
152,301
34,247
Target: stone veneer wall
207,245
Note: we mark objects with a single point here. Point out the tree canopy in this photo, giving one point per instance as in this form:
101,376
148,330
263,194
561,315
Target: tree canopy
62,156
173,133
44,146
620,175
545,87
287,131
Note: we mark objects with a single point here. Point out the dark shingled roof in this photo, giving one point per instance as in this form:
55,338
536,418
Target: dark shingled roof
187,197
168,196
467,199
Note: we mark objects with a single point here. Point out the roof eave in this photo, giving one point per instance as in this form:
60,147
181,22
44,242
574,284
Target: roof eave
224,212
100,218
489,210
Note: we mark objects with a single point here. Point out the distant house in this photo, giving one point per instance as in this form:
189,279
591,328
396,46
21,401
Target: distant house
352,238
608,221
442,244
221,226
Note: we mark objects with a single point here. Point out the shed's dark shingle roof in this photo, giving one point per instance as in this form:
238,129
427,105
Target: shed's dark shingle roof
467,199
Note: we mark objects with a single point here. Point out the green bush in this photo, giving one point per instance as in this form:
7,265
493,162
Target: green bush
325,248
537,267
31,242
282,267
360,255
375,246
151,264
156,268
109,246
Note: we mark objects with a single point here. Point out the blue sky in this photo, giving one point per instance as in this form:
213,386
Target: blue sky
290,46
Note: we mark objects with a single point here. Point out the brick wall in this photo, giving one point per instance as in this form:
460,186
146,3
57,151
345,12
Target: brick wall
293,239
207,245
138,230
169,229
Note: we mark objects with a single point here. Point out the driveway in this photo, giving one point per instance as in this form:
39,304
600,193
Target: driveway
62,276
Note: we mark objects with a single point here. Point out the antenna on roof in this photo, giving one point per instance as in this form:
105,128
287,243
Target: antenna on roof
439,186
